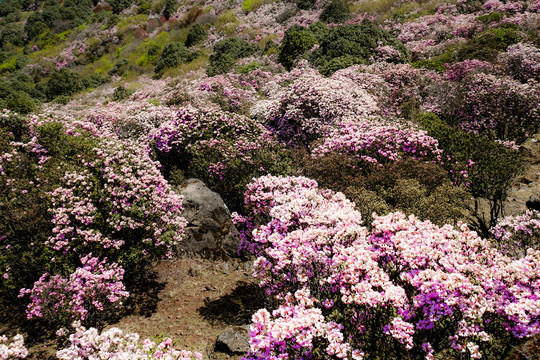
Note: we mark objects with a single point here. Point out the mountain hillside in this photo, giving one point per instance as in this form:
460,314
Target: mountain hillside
377,157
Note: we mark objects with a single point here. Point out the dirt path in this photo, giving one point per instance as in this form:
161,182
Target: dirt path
200,300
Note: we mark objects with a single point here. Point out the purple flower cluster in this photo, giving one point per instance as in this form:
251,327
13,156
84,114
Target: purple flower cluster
94,287
411,285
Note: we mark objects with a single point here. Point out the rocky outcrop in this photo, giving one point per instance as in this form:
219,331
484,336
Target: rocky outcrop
209,229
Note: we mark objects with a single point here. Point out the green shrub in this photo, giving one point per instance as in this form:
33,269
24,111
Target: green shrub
119,5
296,41
319,29
491,175
35,25
495,16
335,11
13,34
305,4
488,43
170,8
225,54
150,56
173,54
436,63
356,43
119,68
121,93
196,34
64,82
20,102
245,69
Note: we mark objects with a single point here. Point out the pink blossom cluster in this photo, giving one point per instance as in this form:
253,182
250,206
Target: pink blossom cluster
522,61
410,285
458,71
13,350
515,234
94,287
309,107
132,195
231,137
377,141
222,87
497,107
115,344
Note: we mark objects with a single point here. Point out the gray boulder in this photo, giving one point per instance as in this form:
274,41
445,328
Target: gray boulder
235,340
209,227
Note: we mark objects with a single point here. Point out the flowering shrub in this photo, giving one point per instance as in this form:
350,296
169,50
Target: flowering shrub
375,142
94,287
522,61
515,234
67,194
114,344
224,149
408,289
496,107
313,104
13,350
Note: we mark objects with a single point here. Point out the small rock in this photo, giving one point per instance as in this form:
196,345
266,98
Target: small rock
533,203
234,340
195,270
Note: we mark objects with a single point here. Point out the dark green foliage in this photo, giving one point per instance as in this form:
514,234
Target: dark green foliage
119,68
436,63
35,25
296,41
305,4
64,82
488,43
119,5
20,102
494,16
94,80
196,34
12,33
170,7
173,54
144,7
354,43
225,54
319,29
494,169
248,68
335,12
121,93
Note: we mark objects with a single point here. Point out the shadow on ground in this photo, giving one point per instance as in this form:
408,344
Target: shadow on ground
235,308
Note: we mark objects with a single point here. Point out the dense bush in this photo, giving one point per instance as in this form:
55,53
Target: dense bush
354,44
84,210
407,289
336,11
225,54
196,34
492,168
496,107
305,4
296,41
64,82
173,54
13,34
488,43
225,150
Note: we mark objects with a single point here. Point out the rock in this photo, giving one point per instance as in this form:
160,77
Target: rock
234,340
533,203
210,229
